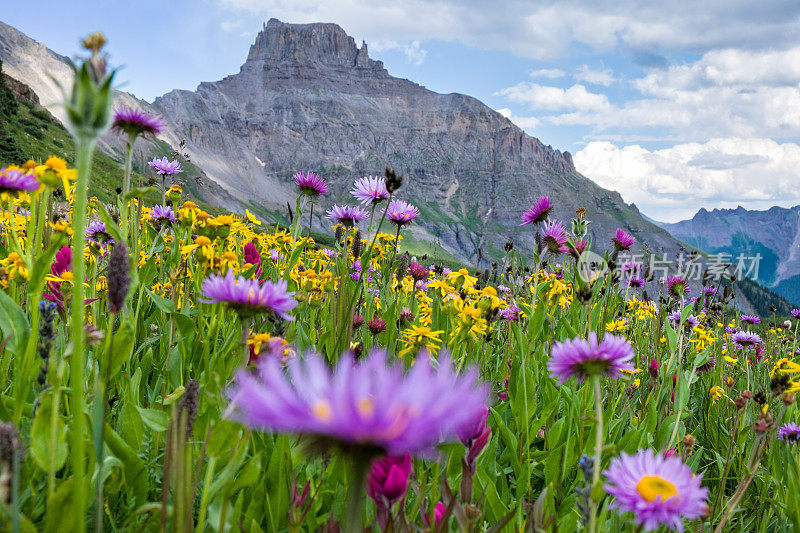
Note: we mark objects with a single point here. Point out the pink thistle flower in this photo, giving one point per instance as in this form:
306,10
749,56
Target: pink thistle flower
310,183
538,212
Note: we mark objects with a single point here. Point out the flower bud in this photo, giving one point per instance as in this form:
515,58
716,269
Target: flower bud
119,278
387,480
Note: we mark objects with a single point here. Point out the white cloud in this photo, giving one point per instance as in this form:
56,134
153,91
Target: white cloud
230,25
555,98
543,30
413,51
550,73
603,77
526,123
725,92
673,183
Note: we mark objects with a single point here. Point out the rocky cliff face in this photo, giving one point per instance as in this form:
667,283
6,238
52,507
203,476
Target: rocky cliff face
774,234
309,98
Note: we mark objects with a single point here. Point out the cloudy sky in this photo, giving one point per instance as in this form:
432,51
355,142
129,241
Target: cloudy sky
677,105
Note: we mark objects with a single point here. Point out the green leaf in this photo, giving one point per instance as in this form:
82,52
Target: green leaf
48,453
154,419
140,191
164,305
122,346
14,323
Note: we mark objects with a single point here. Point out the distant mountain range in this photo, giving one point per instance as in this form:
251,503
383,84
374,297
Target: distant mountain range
773,234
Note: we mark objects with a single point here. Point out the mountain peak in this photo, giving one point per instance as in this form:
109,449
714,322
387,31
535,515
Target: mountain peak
318,42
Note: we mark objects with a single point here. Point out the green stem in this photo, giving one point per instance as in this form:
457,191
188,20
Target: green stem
126,188
598,450
78,362
353,522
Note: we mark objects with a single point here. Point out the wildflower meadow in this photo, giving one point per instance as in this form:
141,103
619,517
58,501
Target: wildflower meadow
166,369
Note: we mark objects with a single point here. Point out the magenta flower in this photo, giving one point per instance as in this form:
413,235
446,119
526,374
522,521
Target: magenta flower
62,263
401,213
676,286
538,212
251,255
347,215
745,339
370,403
796,313
789,432
438,513
247,297
418,272
14,181
622,240
657,490
162,214
310,183
584,358
387,481
554,236
475,435
376,325
135,122
370,190
164,167
750,319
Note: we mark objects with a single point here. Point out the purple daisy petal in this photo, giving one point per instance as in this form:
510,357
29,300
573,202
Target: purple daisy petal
583,358
247,296
369,403
370,190
658,490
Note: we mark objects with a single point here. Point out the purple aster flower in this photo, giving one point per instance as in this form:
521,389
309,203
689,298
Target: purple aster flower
347,215
96,232
676,286
692,322
745,339
135,122
162,213
502,288
164,167
401,213
538,212
750,319
796,313
331,254
656,489
674,318
510,313
622,240
370,190
247,297
310,183
14,181
631,267
369,403
789,432
583,358
709,290
636,282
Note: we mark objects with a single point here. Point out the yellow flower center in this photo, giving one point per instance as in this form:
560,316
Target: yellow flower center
366,407
652,486
322,410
